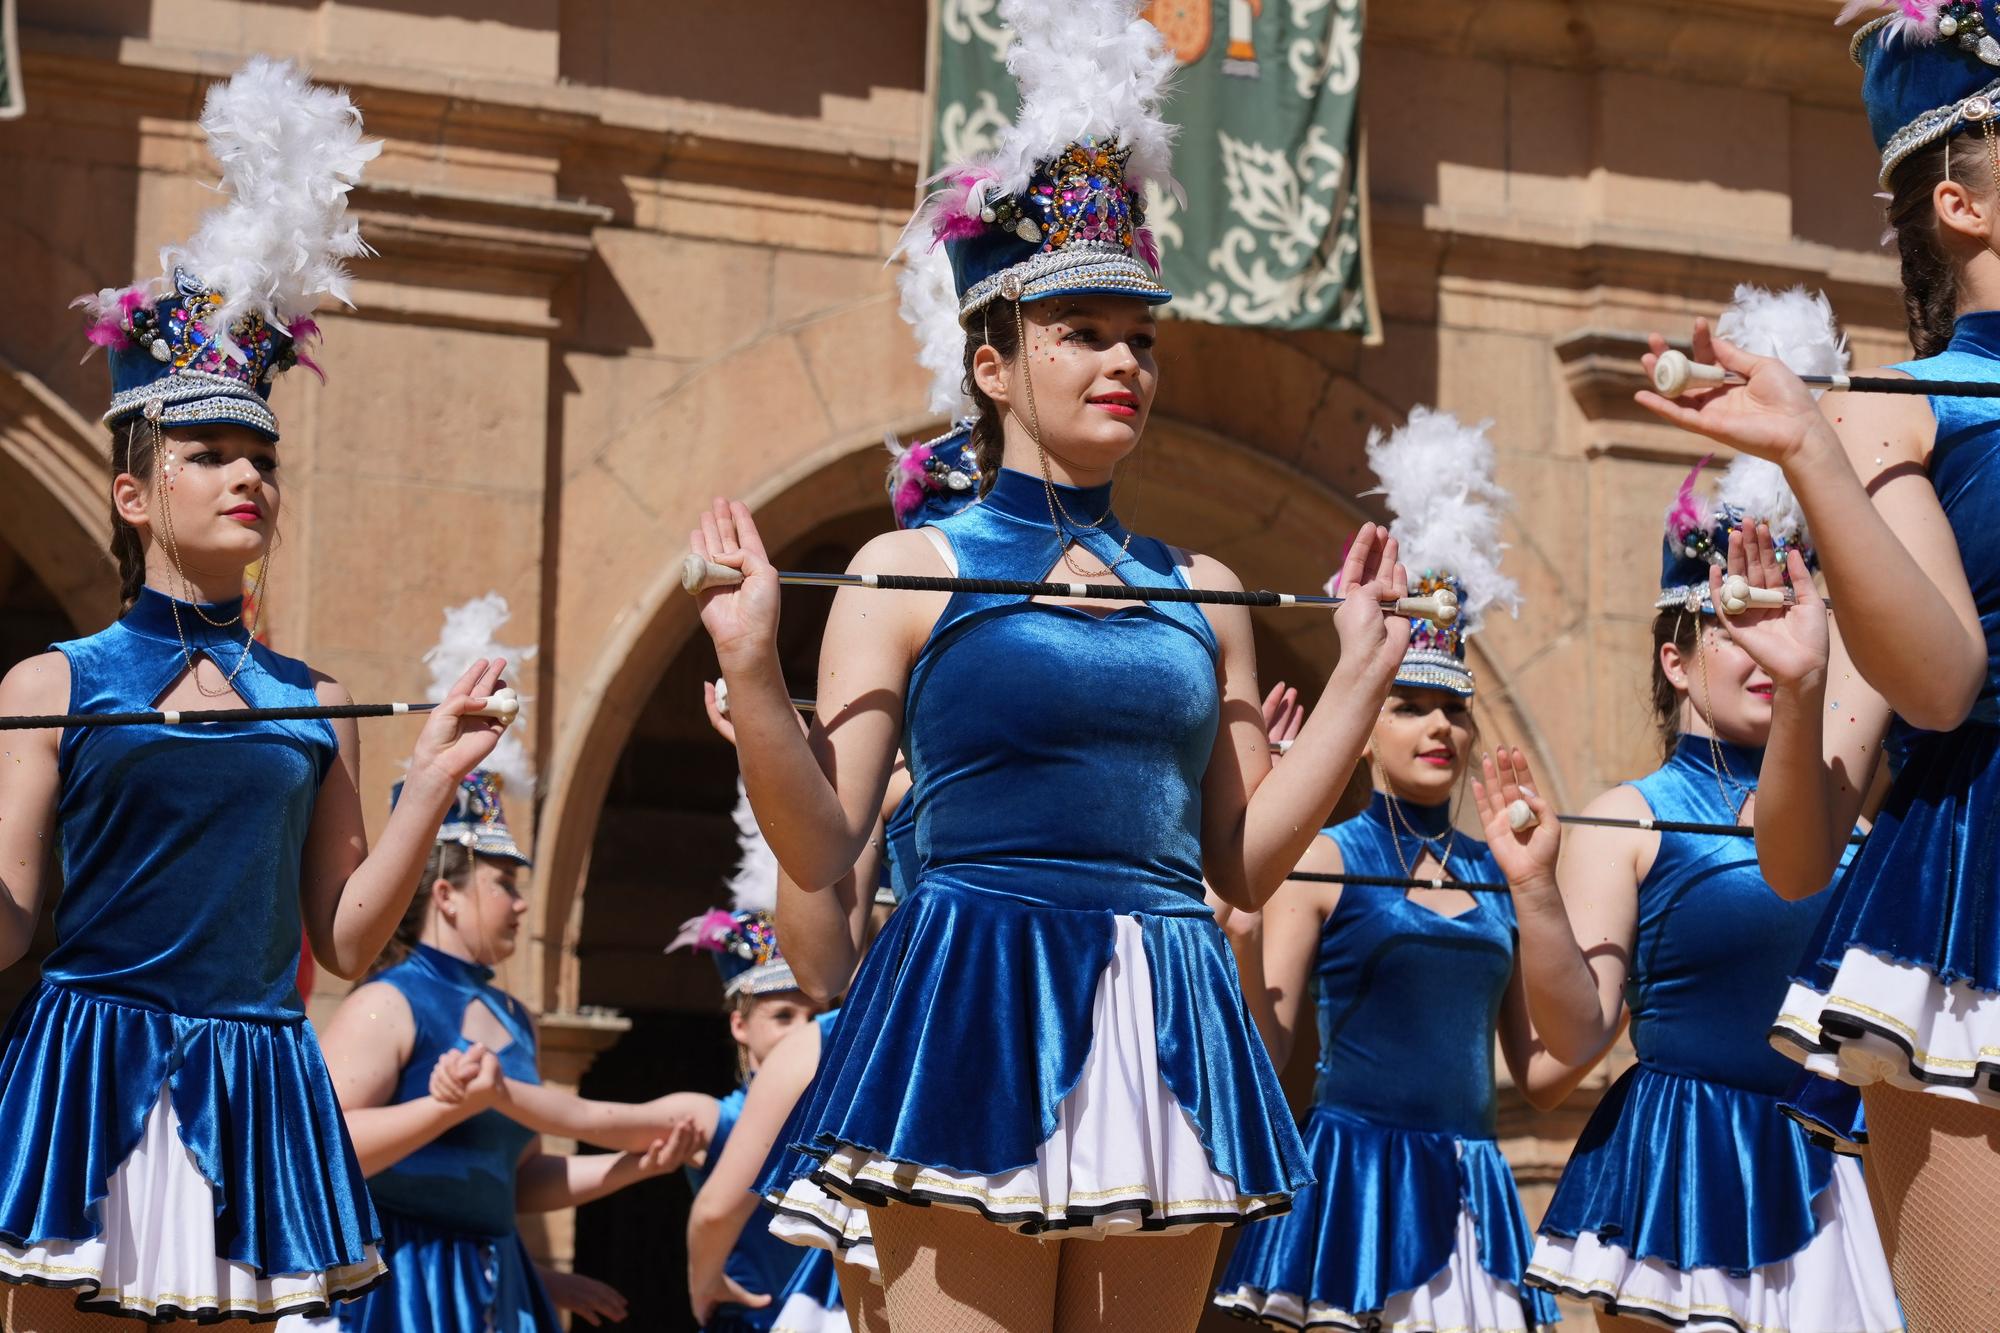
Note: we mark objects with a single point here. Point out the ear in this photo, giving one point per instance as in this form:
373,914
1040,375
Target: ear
1962,212
129,499
737,1031
989,372
1674,665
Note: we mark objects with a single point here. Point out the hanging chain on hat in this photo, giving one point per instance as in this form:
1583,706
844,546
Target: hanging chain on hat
166,531
1715,754
1058,516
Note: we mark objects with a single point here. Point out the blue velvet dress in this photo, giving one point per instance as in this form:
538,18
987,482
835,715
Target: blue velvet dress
1689,1162
1902,979
172,992
761,1262
1057,757
1401,1127
456,1260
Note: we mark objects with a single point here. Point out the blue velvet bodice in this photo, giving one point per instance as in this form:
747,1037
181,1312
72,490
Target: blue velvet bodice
462,1180
1966,474
899,850
1715,944
181,846
1409,998
1008,801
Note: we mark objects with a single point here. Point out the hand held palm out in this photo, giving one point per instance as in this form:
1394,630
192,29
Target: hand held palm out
742,619
1790,643
1522,854
1374,643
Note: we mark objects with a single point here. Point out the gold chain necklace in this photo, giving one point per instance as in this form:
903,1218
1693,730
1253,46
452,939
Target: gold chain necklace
187,585
1715,755
1058,516
1395,837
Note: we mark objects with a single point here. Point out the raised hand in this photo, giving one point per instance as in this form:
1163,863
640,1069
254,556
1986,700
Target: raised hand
452,744
1371,643
1525,856
741,618
1770,416
1791,642
1283,714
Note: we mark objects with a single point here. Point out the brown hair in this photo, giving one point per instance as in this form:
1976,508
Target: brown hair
1930,278
999,328
448,861
1680,627
129,455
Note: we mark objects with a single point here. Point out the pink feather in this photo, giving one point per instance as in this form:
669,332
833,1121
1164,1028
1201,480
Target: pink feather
302,330
110,316
910,488
708,932
952,211
1148,246
1689,512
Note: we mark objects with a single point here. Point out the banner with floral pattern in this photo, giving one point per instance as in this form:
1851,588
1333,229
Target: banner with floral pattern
1271,232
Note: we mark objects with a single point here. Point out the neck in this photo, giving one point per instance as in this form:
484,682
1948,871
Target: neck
1019,452
446,940
1410,797
201,585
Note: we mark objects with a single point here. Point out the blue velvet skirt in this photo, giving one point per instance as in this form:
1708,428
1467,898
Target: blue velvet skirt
443,1281
1381,1219
83,1079
1693,1173
1829,1112
978,1051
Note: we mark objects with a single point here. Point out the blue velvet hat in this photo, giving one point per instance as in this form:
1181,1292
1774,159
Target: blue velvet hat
476,820
1058,209
744,945
1697,537
1929,68
201,344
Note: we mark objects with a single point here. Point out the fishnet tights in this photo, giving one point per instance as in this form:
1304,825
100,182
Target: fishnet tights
862,1295
1933,1172
949,1271
25,1308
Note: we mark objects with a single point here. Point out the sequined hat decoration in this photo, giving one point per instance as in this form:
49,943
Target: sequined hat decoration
1437,483
232,309
1059,208
476,820
933,479
1929,68
745,948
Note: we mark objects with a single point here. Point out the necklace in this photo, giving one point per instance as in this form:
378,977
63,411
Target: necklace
187,586
1398,818
1734,804
1059,518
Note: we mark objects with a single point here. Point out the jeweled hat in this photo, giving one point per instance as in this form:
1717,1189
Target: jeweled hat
745,948
476,820
1929,68
232,309
1059,208
933,479
1798,328
1436,477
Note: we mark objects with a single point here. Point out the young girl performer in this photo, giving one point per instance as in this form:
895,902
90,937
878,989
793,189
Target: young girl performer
451,1154
1413,1221
1690,1199
1049,1038
1899,992
169,1141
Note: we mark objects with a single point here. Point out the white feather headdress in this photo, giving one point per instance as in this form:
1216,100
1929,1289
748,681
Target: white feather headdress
471,631
1798,328
753,885
1437,480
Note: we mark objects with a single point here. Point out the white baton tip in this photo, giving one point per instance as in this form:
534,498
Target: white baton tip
1521,816
698,575
502,704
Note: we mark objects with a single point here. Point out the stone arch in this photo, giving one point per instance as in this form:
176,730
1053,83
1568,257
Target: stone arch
54,471
1266,519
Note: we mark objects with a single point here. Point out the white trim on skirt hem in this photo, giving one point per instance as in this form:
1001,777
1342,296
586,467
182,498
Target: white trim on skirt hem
1895,1023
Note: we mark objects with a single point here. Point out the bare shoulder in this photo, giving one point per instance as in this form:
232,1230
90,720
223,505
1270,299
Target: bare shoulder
1322,858
1880,429
372,1011
330,691
36,685
905,551
1623,846
1205,571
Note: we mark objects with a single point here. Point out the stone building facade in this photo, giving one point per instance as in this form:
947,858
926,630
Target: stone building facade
631,256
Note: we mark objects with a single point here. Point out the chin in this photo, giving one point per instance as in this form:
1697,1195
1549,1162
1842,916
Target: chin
1429,786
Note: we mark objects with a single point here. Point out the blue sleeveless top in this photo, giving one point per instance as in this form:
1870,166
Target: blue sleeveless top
1715,944
1409,998
181,846
761,1262
464,1178
899,850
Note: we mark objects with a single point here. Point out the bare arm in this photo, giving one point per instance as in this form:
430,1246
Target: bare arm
30,785
621,1126
1543,1080
1294,919
1256,823
366,1046
352,898
1890,559
546,1182
727,1202
1576,904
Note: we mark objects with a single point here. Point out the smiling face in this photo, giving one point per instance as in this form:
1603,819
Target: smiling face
1422,742
1719,686
1091,379
213,490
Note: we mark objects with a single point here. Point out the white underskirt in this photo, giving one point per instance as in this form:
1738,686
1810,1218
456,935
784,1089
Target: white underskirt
1124,1154
808,1215
1909,1017
1463,1295
802,1314
1839,1283
157,1249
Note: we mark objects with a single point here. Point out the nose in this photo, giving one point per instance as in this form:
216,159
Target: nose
244,476
1124,362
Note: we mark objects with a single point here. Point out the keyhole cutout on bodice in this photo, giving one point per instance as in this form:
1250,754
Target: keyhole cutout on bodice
480,1024
1450,904
214,691
1060,572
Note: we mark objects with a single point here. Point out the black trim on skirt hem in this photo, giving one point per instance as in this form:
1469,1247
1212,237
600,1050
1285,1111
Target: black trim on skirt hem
1608,1303
174,1314
1845,1027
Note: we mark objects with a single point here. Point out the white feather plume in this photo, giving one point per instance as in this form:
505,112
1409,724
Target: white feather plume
471,631
930,307
1798,328
1437,479
1087,68
753,885
290,151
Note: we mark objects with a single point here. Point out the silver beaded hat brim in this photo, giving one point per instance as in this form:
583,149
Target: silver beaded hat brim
485,842
763,979
196,398
1429,669
1688,597
1937,123
1083,269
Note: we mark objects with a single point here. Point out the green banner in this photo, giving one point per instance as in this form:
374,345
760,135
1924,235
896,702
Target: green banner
1273,230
